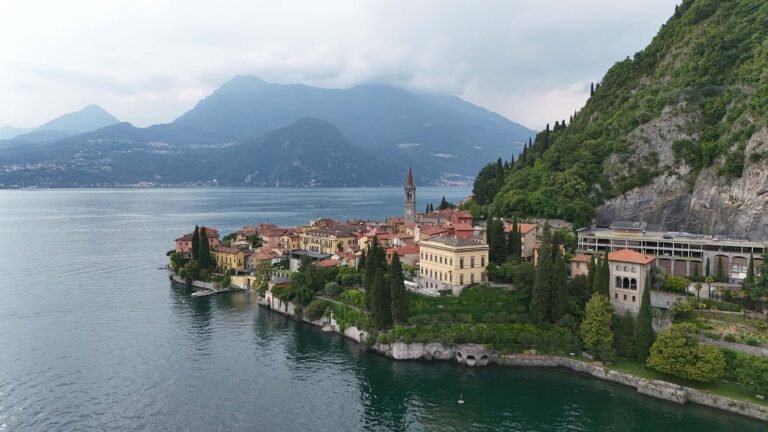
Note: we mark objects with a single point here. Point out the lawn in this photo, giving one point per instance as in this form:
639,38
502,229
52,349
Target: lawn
723,388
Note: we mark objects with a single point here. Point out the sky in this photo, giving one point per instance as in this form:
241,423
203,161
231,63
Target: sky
149,61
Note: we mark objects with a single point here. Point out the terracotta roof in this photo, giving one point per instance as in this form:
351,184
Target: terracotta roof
630,256
272,232
407,250
403,235
524,228
432,230
261,256
229,250
581,258
328,263
463,227
462,214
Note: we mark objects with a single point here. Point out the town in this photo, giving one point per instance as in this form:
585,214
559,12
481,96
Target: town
498,289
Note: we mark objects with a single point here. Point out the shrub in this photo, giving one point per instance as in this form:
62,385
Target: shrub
729,337
317,309
677,351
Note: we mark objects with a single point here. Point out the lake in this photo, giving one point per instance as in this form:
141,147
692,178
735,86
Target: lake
94,338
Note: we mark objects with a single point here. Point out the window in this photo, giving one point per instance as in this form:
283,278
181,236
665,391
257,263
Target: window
461,279
618,267
472,262
618,282
633,299
482,261
472,278
461,262
616,296
625,296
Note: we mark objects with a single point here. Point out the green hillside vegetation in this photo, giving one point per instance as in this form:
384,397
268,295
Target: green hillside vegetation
708,63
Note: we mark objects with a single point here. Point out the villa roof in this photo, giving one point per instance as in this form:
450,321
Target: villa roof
581,258
328,263
463,227
630,256
524,228
228,250
455,241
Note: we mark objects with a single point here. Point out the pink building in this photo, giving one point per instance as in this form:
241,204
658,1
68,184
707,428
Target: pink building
184,243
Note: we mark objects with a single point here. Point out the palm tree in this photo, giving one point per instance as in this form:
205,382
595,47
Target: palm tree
709,280
698,287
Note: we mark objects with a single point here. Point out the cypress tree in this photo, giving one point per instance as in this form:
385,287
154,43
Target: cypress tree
497,241
591,275
514,242
541,297
204,252
605,278
559,305
644,335
398,293
707,272
361,261
750,278
381,308
499,175
592,89
195,243
444,203
426,210
595,287
720,271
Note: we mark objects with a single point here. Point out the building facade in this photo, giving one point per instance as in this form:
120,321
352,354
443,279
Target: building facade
629,271
680,254
328,240
228,258
452,263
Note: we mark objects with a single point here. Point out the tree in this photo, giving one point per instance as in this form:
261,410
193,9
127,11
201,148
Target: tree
758,290
515,242
596,327
624,340
255,240
644,335
541,296
431,208
301,289
204,252
591,271
361,261
709,280
398,293
591,89
753,373
499,175
497,241
559,281
195,243
443,204
706,269
375,262
426,210
677,351
262,273
749,279
602,280
720,271
381,309
697,286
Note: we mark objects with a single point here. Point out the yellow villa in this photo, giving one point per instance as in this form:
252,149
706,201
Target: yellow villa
452,263
230,258
328,240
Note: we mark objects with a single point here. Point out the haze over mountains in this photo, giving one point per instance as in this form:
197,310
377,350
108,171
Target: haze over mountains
377,129
88,119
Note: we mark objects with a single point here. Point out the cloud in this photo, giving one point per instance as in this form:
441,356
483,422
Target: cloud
149,61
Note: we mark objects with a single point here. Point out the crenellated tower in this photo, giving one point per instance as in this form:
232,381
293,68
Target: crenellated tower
410,199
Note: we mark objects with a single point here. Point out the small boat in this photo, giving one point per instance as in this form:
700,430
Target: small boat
461,399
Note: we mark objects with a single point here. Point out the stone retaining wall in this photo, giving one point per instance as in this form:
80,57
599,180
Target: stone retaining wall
733,346
195,283
474,355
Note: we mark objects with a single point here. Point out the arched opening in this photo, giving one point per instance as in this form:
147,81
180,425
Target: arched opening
618,282
633,284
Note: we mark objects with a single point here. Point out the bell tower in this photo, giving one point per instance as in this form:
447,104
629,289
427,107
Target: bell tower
410,199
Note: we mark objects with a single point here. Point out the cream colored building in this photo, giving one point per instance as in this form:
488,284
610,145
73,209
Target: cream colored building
629,270
452,263
327,240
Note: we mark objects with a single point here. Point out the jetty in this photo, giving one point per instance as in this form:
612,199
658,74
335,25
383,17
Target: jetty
209,292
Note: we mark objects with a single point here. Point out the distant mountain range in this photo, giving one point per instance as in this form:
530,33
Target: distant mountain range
269,134
87,119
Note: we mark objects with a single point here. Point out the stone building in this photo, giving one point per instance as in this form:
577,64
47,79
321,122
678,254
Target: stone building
629,270
409,216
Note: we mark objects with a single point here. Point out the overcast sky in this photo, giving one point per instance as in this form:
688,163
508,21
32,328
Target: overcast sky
148,61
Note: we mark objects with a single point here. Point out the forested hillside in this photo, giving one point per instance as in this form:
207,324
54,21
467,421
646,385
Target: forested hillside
667,136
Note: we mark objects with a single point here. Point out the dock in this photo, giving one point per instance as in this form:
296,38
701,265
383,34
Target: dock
209,292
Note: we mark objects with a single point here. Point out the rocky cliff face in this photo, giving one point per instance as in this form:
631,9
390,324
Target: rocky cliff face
708,203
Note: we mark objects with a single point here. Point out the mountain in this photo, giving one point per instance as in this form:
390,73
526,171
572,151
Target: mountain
443,133
9,132
88,119
308,152
675,136
444,138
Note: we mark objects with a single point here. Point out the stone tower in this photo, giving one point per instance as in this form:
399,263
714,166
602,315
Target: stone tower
410,199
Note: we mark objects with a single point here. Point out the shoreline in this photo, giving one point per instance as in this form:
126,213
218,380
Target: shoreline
474,355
